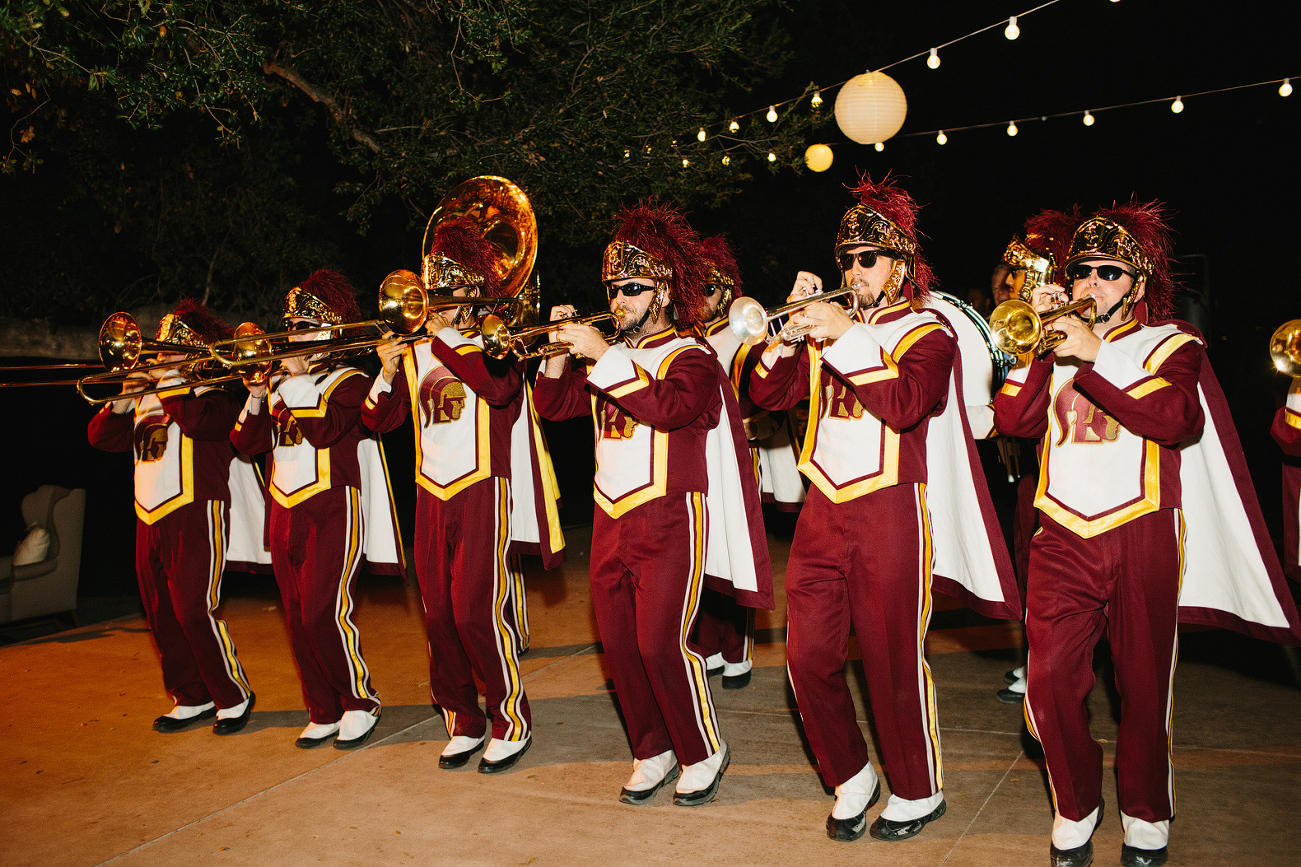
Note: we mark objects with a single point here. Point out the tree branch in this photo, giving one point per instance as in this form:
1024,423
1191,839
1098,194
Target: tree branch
271,67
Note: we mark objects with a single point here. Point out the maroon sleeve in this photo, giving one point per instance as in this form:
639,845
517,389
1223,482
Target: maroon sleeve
387,411
209,416
497,382
253,434
920,388
686,390
1021,409
563,397
342,412
110,431
1167,415
783,385
1285,431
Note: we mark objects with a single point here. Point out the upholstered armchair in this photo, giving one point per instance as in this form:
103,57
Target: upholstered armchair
48,586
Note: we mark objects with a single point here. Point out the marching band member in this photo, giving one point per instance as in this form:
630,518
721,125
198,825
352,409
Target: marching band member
725,629
330,510
198,512
465,406
1147,517
676,501
890,456
1032,260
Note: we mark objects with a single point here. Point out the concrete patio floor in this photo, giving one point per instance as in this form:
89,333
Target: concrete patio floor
86,780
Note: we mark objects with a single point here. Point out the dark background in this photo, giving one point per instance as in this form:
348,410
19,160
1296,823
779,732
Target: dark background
1226,167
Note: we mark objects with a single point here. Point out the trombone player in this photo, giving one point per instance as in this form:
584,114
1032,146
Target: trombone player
465,407
330,507
197,504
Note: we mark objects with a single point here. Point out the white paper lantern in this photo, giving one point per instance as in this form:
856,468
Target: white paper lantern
818,157
871,107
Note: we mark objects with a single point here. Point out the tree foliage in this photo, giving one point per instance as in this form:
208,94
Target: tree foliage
585,104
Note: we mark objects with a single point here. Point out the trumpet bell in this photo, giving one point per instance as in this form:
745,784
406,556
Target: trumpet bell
748,320
1016,327
1285,348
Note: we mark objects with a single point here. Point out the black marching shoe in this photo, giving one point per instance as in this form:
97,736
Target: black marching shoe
490,766
1079,856
737,681
705,795
851,829
1132,856
452,761
236,723
891,831
168,724
1010,696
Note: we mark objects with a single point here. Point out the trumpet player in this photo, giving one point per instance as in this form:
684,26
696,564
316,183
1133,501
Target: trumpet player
885,518
198,512
1143,503
676,501
330,508
464,406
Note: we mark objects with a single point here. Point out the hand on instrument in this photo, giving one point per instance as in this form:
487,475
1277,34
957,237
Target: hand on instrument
1049,297
257,391
829,321
436,322
296,364
1080,340
390,354
584,340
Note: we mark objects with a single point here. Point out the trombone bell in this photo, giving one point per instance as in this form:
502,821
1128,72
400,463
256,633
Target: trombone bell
1285,348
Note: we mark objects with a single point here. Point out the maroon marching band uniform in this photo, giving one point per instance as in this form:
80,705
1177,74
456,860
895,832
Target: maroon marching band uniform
648,540
311,425
180,439
1286,431
839,573
464,414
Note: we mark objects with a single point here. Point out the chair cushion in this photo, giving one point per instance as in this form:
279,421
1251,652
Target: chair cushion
33,548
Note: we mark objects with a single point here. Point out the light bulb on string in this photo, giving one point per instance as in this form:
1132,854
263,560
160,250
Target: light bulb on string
627,152
880,146
1012,31
1178,105
934,60
1011,128
772,157
772,114
1088,118
1285,89
941,138
685,162
733,126
700,136
727,160
816,102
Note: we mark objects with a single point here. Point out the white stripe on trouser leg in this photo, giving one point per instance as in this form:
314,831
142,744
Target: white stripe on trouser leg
216,566
694,663
358,675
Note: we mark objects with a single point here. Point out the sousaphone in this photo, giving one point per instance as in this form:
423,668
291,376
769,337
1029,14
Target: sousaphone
505,218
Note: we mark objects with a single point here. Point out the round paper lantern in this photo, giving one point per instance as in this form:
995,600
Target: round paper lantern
818,157
871,107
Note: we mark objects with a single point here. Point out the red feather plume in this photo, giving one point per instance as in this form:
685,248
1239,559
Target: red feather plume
719,252
1050,233
1147,223
663,232
334,289
461,241
202,321
896,205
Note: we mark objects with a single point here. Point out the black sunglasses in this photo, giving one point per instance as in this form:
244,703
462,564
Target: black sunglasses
1109,273
631,290
711,288
300,325
866,258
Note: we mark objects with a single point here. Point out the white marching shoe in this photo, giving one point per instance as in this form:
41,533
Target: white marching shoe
848,819
699,782
355,728
649,776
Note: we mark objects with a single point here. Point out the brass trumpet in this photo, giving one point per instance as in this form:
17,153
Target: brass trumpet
1285,348
749,320
1019,329
499,341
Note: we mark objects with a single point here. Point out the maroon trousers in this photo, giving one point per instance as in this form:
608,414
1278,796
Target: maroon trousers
469,595
179,561
865,562
1126,581
647,571
724,626
316,551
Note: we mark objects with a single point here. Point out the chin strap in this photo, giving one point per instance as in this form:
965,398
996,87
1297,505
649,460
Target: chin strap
1123,302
